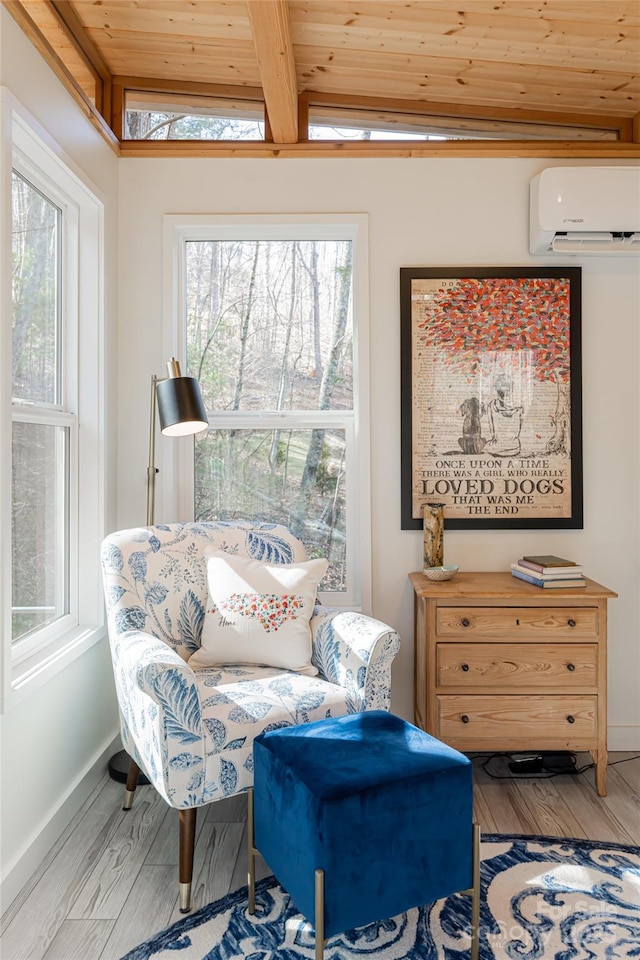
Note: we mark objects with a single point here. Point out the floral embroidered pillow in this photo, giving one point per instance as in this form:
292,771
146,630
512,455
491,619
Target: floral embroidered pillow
259,612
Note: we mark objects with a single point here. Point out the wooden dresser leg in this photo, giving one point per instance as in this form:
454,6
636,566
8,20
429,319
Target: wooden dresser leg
601,772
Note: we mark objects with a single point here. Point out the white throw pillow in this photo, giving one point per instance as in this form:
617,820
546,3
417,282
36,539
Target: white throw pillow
259,612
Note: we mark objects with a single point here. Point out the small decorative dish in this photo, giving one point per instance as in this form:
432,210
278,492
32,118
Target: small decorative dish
441,573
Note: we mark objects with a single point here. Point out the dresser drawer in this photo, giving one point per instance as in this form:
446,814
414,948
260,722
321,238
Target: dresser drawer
513,623
548,667
532,718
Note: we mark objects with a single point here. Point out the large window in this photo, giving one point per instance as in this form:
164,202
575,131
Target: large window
51,425
42,421
270,318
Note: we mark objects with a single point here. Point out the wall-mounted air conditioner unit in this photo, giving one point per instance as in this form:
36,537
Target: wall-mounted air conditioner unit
585,210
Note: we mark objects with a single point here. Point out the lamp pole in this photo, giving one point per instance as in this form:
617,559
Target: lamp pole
152,469
178,402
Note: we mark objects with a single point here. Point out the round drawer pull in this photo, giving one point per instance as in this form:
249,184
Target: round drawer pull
571,666
464,667
464,718
464,622
571,623
571,719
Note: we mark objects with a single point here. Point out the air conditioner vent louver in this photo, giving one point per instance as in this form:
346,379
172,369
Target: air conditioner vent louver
596,242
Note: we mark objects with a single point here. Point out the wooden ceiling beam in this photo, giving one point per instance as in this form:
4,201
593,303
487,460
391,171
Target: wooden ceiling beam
325,149
19,12
626,130
269,21
77,33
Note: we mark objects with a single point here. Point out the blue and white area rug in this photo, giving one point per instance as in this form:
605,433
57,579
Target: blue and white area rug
542,899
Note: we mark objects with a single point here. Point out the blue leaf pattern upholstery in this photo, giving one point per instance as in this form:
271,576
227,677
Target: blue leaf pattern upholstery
155,593
355,652
181,706
138,565
131,618
269,547
190,621
112,558
228,778
192,731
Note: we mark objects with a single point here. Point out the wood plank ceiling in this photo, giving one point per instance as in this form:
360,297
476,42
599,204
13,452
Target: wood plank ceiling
564,62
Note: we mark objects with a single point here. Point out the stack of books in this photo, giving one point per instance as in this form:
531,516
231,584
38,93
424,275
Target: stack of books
549,571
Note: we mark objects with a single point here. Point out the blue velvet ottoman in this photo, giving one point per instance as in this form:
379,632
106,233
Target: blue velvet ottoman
362,817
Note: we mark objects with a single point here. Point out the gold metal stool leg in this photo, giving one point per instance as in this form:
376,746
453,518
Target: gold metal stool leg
319,911
251,855
475,893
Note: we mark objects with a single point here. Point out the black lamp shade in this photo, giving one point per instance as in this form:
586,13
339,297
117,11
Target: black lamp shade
180,406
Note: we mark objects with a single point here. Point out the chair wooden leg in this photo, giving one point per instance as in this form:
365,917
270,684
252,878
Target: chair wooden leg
187,840
132,783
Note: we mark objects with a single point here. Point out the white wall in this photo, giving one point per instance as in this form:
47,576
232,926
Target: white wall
51,739
422,213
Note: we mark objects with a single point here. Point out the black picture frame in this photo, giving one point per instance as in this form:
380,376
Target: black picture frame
484,350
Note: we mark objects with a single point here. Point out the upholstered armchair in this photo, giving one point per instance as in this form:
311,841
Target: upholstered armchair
191,730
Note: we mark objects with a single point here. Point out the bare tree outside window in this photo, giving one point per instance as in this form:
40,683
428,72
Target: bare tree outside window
269,333
35,297
152,125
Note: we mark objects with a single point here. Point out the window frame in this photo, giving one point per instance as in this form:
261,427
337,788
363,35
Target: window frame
62,412
32,659
354,227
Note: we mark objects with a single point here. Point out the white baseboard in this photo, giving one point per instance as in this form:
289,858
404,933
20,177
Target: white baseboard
28,859
624,736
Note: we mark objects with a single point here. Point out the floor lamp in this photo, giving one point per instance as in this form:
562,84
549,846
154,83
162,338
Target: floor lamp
181,412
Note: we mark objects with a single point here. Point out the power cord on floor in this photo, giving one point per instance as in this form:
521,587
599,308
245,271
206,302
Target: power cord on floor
612,763
538,766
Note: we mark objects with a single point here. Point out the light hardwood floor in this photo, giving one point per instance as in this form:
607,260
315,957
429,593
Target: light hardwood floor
111,881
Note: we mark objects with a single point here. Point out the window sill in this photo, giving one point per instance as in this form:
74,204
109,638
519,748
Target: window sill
30,674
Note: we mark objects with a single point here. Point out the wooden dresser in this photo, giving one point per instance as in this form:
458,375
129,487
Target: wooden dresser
503,665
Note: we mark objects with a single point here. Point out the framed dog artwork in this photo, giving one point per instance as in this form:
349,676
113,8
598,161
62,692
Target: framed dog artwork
491,422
